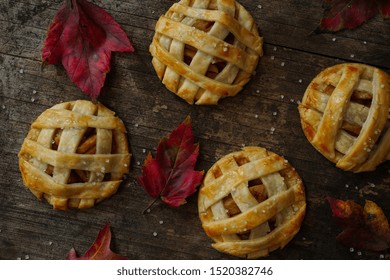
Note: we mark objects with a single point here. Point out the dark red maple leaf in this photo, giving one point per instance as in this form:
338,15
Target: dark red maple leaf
362,228
82,37
171,174
349,14
100,249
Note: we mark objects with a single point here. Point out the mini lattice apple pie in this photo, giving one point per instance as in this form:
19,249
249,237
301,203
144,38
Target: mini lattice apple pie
75,154
345,116
204,50
251,202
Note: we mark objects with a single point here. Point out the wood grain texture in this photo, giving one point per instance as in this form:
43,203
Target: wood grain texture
293,55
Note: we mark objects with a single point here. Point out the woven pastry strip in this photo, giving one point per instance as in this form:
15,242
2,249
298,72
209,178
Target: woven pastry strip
261,225
203,27
75,155
344,114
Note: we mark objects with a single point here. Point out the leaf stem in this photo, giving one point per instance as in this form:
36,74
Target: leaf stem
163,189
69,2
150,205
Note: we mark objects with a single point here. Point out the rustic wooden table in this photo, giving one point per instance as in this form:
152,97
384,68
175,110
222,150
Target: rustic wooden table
293,55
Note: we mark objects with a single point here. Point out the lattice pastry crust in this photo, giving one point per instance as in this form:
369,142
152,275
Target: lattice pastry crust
75,154
204,50
345,116
251,202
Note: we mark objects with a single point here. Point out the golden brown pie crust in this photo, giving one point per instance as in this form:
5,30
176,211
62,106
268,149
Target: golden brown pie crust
204,50
251,202
345,115
75,155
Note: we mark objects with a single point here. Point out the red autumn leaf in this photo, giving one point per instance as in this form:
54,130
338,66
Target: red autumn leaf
82,37
349,14
100,249
362,228
384,8
171,174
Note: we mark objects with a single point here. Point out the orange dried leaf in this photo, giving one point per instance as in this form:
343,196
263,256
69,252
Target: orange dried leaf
362,228
376,220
